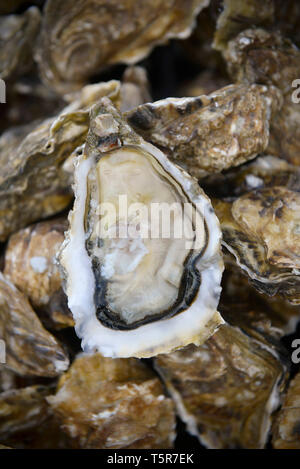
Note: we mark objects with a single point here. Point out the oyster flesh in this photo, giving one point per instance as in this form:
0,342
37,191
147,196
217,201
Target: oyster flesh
135,286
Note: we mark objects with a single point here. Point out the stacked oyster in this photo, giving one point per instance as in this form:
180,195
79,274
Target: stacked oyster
88,289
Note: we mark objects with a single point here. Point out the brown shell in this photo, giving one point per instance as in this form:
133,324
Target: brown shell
102,33
17,36
237,15
30,350
287,424
226,389
258,56
109,403
30,263
209,133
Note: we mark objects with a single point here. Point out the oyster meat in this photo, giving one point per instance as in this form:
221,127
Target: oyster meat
135,286
208,134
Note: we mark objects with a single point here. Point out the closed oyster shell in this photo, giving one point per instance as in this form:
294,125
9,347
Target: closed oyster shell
265,318
17,37
30,349
114,403
22,409
260,230
30,263
211,133
256,55
107,278
225,390
287,424
103,33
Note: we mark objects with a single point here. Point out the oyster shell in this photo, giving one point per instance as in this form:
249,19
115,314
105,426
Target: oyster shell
31,267
30,349
209,133
34,184
22,409
225,390
259,215
138,293
114,403
287,424
256,55
17,36
237,15
105,32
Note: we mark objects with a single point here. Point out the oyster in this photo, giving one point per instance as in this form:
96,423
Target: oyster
21,410
30,265
238,15
114,403
287,424
103,33
225,390
133,288
30,349
256,55
209,133
259,214
17,36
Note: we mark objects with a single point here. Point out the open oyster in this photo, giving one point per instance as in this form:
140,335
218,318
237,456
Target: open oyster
106,32
135,286
208,134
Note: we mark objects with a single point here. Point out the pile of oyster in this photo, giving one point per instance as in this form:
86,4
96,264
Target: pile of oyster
116,329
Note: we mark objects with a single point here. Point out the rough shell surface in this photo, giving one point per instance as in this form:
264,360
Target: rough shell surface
287,423
30,349
108,403
225,390
30,264
17,36
211,133
104,33
259,56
